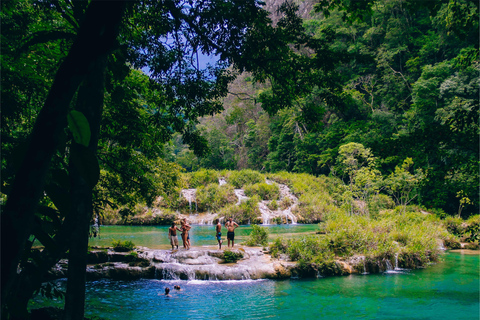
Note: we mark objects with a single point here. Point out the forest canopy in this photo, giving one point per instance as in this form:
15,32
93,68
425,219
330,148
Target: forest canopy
398,77
104,104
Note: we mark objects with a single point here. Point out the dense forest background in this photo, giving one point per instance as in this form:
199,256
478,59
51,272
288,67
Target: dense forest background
105,104
405,85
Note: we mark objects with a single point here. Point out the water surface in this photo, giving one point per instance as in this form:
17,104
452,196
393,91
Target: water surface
447,290
156,237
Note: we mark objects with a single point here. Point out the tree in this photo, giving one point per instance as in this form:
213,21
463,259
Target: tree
185,93
95,39
403,185
359,164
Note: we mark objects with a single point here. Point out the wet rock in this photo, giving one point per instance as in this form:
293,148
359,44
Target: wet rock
97,256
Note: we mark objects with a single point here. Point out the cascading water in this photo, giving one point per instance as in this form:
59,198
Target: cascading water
266,214
364,266
240,195
389,265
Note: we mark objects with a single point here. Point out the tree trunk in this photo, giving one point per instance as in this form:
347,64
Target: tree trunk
96,37
90,103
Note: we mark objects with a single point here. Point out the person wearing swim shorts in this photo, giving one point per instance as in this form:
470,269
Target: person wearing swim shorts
231,226
218,229
172,235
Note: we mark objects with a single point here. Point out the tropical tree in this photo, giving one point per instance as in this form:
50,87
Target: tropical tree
97,44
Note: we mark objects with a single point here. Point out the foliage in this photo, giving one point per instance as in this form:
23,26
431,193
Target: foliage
201,177
402,184
122,246
214,197
264,190
231,256
242,178
413,236
272,205
244,213
258,236
402,81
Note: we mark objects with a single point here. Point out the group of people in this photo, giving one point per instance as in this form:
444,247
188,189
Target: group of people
231,226
167,290
172,234
185,227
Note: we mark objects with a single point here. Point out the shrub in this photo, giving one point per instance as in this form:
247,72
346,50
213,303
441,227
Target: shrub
273,205
242,178
472,229
132,256
162,217
246,212
312,208
122,246
278,246
455,225
258,236
264,190
213,197
286,203
230,256
452,243
202,177
472,246
380,202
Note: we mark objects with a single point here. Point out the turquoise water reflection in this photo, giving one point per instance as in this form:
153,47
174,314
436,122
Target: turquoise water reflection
200,235
448,290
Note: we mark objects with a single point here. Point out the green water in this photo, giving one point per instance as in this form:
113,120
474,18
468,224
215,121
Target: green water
200,235
447,290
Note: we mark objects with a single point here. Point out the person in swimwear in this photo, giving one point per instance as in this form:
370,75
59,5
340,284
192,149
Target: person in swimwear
185,237
231,226
218,229
172,235
167,292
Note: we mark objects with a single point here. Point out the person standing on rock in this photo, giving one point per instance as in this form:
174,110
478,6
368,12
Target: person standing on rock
185,235
231,226
218,228
172,235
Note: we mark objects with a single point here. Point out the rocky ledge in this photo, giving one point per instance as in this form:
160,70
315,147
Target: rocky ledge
196,263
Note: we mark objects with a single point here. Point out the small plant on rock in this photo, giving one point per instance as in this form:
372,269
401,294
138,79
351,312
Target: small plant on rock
230,256
122,246
258,236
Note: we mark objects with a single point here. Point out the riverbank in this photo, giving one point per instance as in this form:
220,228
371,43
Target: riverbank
209,263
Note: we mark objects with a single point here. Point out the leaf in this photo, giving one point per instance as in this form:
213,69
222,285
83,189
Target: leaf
87,164
60,198
44,238
78,125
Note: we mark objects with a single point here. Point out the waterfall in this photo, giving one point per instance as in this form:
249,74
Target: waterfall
364,266
266,213
389,265
169,274
222,181
240,195
289,214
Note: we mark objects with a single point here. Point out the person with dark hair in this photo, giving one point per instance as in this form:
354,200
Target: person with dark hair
172,235
231,226
167,292
218,229
185,236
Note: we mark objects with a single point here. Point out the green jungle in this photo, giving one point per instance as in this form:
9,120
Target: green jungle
368,111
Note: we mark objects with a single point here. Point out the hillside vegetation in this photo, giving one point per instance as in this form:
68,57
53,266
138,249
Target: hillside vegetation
399,78
367,235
